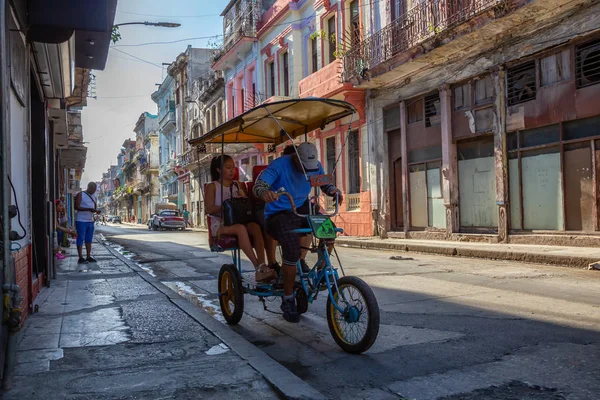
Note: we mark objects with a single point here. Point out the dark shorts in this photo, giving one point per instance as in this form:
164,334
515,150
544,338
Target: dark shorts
280,226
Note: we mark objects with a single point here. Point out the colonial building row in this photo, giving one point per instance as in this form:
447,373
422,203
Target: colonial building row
47,53
476,118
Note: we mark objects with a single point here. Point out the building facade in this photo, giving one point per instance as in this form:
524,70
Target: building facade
188,67
45,64
208,100
482,117
164,98
292,49
147,146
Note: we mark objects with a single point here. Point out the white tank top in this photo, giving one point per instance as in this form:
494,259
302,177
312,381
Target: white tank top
86,202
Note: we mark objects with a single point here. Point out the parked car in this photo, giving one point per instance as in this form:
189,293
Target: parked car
167,217
116,219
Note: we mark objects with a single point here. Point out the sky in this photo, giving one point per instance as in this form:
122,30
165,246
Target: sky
123,89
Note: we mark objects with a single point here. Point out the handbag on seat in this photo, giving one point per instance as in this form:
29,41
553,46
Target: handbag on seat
236,210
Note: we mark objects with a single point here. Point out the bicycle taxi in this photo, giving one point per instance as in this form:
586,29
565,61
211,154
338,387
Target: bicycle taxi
352,310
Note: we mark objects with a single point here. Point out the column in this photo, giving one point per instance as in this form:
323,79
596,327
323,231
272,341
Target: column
449,164
501,156
405,174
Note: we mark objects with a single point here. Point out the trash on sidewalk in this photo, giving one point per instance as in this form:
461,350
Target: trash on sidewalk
594,266
400,258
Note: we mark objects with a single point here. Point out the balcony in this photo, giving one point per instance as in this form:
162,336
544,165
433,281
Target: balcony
167,119
209,86
326,82
189,157
239,32
428,20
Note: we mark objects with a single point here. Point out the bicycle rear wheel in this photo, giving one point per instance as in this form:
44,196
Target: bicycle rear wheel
231,296
356,328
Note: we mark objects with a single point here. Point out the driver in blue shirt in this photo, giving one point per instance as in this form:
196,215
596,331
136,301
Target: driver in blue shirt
287,173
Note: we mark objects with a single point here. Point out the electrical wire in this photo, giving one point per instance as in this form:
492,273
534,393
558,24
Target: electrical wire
18,210
222,35
138,58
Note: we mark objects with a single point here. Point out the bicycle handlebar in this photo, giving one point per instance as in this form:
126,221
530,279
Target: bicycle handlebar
289,196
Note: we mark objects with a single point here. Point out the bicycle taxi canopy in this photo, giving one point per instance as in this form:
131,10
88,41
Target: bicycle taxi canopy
277,122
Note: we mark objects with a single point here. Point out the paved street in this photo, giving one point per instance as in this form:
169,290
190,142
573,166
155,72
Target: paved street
452,328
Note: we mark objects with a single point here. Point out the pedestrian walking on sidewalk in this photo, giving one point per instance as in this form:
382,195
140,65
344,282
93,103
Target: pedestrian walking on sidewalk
85,204
186,217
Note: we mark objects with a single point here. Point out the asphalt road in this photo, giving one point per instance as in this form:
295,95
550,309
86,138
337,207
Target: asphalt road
451,328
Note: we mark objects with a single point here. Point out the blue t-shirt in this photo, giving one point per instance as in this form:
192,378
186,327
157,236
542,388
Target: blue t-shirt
282,173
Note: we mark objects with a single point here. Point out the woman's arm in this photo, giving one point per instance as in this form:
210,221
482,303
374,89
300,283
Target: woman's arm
210,197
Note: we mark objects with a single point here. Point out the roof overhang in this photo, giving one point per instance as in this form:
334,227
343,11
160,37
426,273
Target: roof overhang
88,23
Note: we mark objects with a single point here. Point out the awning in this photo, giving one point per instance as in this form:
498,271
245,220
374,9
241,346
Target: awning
297,117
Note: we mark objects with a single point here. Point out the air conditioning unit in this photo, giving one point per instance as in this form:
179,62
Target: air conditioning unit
587,62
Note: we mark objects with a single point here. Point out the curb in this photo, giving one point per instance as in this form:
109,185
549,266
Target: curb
281,379
537,258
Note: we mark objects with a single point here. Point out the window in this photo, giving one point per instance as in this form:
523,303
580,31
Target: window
521,83
243,100
315,63
220,112
462,97
353,163
286,74
415,111
232,104
253,100
271,89
269,159
433,115
354,23
330,156
484,90
587,63
331,38
555,68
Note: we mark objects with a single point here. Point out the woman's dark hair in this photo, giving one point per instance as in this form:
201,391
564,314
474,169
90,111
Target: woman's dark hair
289,150
215,166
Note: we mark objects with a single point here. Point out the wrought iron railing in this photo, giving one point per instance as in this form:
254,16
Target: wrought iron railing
239,22
425,20
187,158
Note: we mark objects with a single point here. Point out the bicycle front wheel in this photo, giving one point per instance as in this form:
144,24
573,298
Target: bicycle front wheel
356,328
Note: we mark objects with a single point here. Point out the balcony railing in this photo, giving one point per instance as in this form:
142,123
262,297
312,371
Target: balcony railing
239,22
353,202
187,158
427,19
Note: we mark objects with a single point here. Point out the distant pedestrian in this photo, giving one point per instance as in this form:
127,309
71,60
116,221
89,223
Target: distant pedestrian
186,217
85,204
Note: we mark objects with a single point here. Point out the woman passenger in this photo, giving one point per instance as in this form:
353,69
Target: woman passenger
221,188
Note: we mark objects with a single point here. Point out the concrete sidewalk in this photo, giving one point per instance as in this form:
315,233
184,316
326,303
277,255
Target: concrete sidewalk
108,330
577,257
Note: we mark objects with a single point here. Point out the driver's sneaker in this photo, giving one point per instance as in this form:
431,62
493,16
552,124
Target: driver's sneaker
82,261
290,313
305,267
91,259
